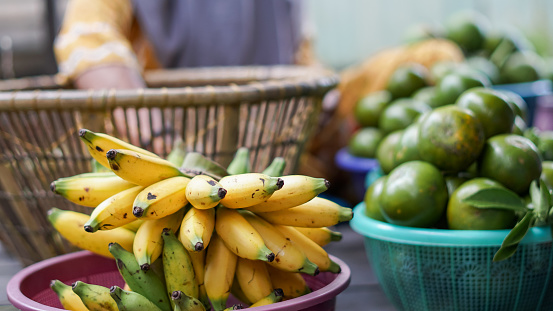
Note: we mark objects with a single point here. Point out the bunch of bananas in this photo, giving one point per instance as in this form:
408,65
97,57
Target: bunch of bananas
186,232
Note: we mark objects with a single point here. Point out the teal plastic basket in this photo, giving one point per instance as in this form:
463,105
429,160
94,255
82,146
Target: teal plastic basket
438,269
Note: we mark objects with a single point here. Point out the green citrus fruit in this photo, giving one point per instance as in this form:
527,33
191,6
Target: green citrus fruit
372,199
545,145
516,102
490,107
485,66
454,181
368,109
407,147
468,30
454,84
400,114
519,126
512,160
363,142
406,79
547,174
522,66
386,150
451,138
462,216
414,194
428,95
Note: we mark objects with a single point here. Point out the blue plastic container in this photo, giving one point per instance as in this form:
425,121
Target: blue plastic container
530,92
440,269
361,170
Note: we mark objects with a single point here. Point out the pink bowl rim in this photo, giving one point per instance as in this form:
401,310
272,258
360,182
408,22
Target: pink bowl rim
20,301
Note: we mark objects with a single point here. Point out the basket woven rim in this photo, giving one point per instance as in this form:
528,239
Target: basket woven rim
379,230
260,84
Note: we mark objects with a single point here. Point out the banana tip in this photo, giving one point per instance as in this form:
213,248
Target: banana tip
88,228
145,267
222,193
137,211
327,184
199,246
111,154
176,295
279,292
82,132
53,186
271,257
280,183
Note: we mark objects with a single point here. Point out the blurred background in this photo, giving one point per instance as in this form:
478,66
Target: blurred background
344,32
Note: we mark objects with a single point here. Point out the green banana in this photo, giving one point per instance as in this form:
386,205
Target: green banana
94,297
276,168
177,154
144,282
183,302
131,301
68,299
240,164
177,266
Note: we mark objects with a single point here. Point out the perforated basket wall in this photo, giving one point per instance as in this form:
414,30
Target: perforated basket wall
271,110
423,269
416,277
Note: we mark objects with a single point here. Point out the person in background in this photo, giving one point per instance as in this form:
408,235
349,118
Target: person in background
109,44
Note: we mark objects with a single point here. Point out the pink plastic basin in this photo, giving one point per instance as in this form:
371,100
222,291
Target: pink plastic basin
29,288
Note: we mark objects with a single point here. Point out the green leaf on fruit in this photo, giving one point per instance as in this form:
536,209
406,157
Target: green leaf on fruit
511,241
541,200
195,163
499,198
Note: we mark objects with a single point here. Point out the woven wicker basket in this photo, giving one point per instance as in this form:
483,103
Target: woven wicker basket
270,110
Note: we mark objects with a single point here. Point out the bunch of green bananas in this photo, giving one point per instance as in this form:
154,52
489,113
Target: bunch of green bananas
186,232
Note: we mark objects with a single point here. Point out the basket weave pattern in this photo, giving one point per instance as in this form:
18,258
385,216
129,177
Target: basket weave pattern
270,110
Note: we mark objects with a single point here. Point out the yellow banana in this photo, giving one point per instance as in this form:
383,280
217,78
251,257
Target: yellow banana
68,299
70,225
131,301
184,302
90,189
297,189
145,282
240,164
276,168
204,192
134,225
177,266
148,242
237,292
312,250
163,198
275,296
245,190
253,279
321,236
99,143
240,236
114,212
95,297
198,262
196,228
288,256
220,266
316,213
293,284
140,169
